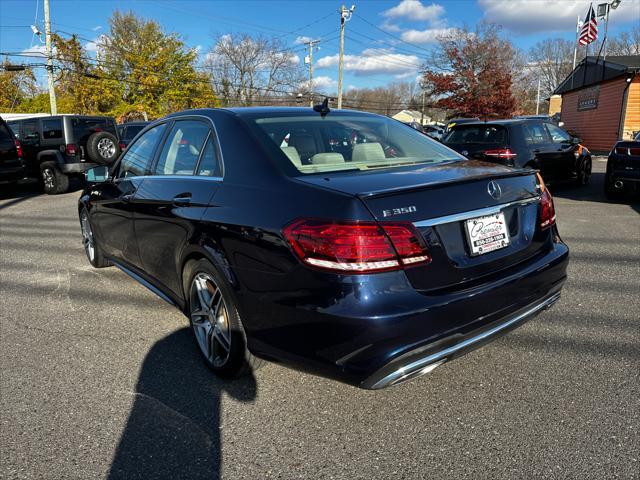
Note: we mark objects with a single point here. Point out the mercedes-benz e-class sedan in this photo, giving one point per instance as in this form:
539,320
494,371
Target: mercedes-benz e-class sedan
337,242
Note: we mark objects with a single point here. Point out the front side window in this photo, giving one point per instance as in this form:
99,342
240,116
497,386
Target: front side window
535,134
51,128
182,148
557,134
15,128
137,159
313,143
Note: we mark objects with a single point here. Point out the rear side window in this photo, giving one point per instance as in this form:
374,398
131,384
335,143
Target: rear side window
182,148
137,159
83,128
51,128
535,134
15,127
131,131
485,134
30,131
209,164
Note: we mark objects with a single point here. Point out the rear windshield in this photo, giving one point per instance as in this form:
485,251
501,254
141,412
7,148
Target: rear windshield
343,142
489,134
84,127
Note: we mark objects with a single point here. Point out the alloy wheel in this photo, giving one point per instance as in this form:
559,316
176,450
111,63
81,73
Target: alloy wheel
210,319
49,178
106,148
87,237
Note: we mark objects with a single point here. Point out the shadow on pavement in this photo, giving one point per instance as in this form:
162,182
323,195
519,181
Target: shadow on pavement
593,192
173,430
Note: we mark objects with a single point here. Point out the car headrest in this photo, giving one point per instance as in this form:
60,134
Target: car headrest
324,158
293,155
367,152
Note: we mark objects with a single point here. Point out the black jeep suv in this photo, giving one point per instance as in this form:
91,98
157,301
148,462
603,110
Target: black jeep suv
57,147
11,164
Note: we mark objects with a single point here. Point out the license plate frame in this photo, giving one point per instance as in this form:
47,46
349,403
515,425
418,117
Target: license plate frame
486,234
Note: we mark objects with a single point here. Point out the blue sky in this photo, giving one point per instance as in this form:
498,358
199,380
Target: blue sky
373,57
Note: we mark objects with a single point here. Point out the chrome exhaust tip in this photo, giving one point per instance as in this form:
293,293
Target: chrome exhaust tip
618,184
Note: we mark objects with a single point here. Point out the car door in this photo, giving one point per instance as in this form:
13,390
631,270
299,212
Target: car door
174,197
113,212
563,149
30,141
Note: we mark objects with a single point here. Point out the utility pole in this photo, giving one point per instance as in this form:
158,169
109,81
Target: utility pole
345,16
311,44
422,118
538,98
47,32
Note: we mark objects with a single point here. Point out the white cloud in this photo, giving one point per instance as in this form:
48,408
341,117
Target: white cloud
302,40
429,35
526,16
96,28
37,50
415,10
390,27
323,81
373,61
94,45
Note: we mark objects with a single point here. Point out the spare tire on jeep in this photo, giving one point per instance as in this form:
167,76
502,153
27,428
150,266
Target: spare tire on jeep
102,148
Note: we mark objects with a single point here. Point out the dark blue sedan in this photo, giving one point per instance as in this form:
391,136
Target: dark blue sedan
337,242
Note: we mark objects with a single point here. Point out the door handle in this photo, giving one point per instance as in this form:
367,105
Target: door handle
182,199
126,198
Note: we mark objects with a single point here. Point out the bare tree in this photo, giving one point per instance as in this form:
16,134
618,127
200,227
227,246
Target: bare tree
626,43
248,70
552,61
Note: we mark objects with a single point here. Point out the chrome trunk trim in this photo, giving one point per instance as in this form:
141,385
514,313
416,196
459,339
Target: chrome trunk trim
481,212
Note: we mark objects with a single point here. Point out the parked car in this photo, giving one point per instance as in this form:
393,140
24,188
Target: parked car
58,147
434,131
370,266
12,166
524,143
623,168
128,131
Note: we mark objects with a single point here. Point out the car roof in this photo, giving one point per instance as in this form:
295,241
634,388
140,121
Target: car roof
133,124
506,122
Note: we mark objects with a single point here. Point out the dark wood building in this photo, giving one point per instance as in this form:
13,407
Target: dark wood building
601,100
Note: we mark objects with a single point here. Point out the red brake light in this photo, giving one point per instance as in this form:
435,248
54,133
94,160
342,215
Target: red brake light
501,153
547,210
16,142
634,151
122,146
71,149
356,247
622,150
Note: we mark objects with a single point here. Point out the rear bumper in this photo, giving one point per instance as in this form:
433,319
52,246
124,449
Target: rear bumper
363,329
79,167
425,359
12,173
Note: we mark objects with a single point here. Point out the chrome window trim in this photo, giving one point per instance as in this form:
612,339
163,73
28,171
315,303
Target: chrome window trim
481,212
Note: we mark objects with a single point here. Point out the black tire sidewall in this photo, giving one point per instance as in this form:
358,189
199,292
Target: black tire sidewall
236,364
61,181
92,148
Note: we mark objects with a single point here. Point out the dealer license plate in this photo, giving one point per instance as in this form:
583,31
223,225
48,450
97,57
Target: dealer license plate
487,234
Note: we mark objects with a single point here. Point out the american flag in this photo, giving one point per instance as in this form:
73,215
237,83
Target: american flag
589,32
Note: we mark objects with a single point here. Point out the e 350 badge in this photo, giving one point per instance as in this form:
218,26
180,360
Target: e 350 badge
398,211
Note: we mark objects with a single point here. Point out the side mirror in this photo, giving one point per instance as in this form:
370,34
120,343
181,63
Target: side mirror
561,124
97,174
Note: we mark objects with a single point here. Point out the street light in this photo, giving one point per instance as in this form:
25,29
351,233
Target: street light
602,9
614,4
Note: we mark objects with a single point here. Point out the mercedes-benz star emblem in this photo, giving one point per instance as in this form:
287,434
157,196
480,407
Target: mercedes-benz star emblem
494,190
465,153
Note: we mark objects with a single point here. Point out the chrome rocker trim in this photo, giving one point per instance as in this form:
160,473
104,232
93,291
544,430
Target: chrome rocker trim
429,363
481,212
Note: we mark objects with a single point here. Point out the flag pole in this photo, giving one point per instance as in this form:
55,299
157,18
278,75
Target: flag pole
606,29
575,49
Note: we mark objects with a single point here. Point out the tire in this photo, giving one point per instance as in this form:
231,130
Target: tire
53,181
584,174
609,191
91,247
102,148
215,321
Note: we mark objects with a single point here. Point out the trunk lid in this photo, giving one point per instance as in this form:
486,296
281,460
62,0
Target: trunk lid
438,200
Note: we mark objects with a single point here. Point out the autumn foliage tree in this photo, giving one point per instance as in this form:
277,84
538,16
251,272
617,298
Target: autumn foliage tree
471,73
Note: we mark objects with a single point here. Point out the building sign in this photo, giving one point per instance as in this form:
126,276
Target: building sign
588,98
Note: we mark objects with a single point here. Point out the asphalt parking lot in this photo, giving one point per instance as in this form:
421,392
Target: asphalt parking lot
100,378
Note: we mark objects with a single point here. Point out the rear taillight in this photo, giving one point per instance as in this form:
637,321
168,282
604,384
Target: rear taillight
18,147
504,153
547,211
122,146
356,247
634,151
622,150
71,149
